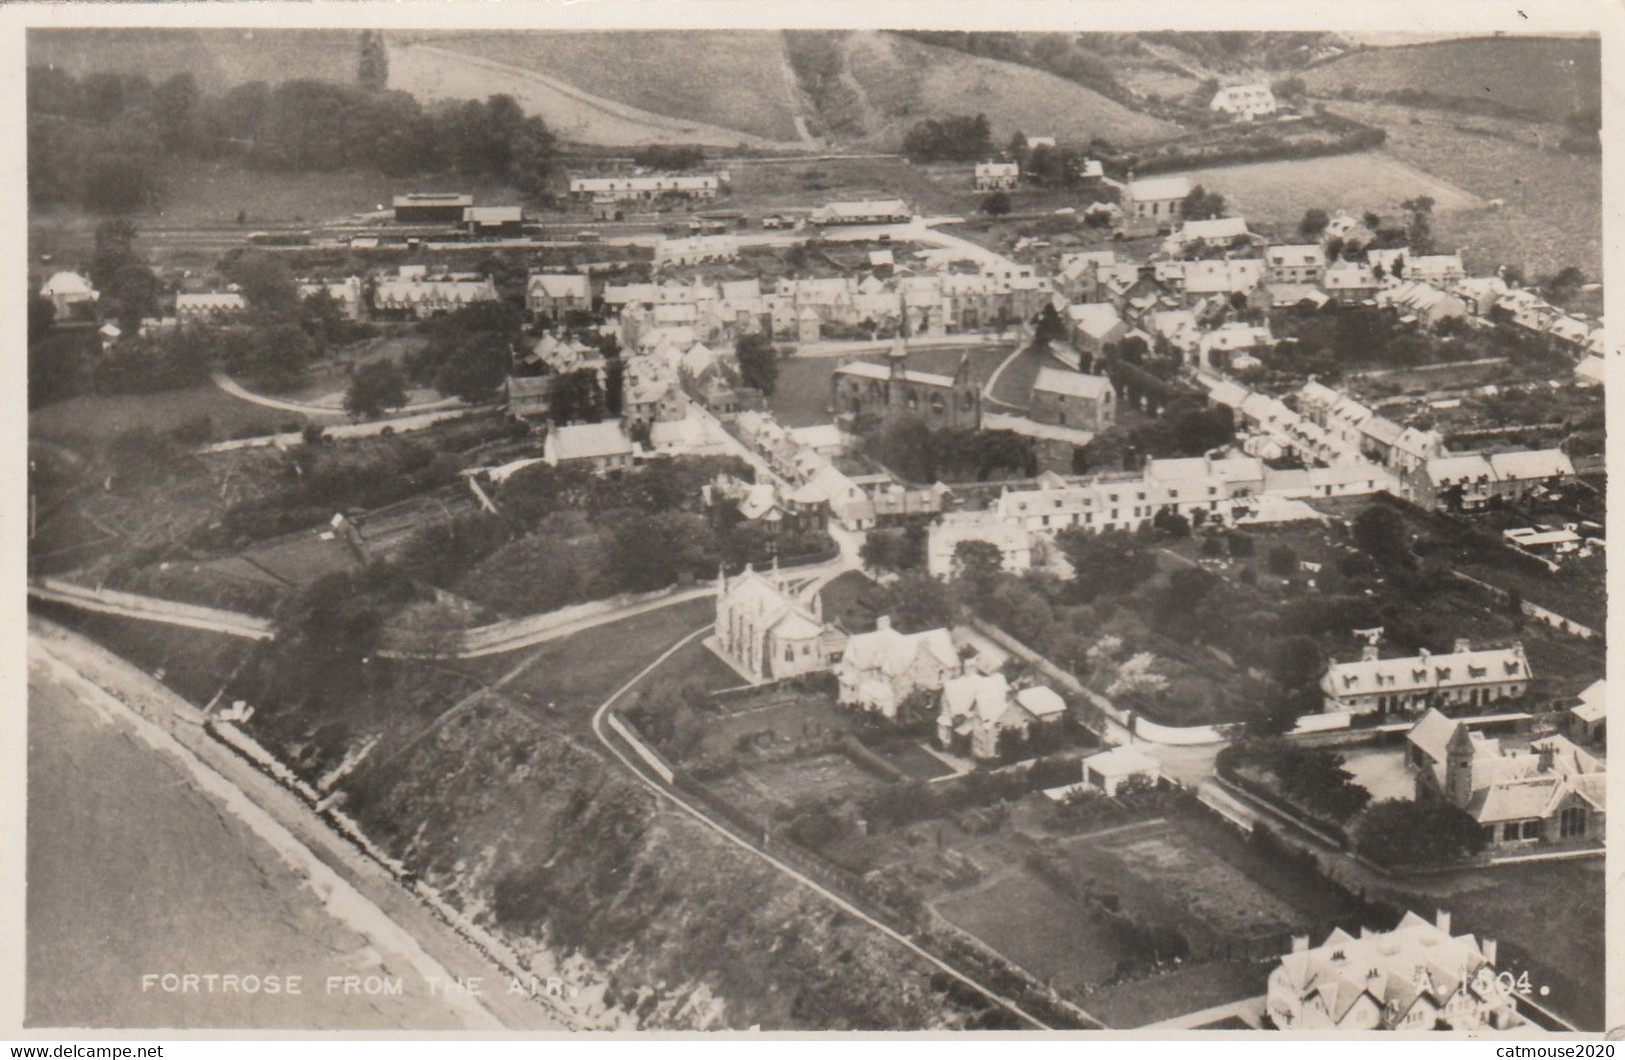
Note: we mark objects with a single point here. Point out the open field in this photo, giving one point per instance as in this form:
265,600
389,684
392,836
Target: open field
1553,198
219,58
734,79
91,421
1547,77
1278,193
571,676
1038,928
902,81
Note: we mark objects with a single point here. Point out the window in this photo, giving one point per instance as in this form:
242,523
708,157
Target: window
1573,822
1531,829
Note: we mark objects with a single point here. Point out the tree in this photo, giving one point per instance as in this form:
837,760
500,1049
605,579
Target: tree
916,601
372,61
1202,205
978,563
669,156
1106,563
997,204
1051,328
1371,220
1400,832
1282,561
375,388
1137,678
1170,522
1379,532
267,283
115,250
1314,223
131,296
479,365
176,103
577,398
1420,230
758,362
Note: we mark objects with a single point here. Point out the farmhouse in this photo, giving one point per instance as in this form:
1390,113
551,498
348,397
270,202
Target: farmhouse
1073,399
1547,791
1416,977
882,668
1463,677
598,446
553,294
949,530
432,208
209,307
997,176
1244,102
765,631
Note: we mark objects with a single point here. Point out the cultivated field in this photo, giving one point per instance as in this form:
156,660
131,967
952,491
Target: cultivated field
1552,215
1543,76
1280,192
730,79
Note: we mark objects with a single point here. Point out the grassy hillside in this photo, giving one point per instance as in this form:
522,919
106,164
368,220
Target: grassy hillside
903,81
218,58
1542,77
735,79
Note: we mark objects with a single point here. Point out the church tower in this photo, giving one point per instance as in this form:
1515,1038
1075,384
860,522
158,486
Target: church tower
1458,776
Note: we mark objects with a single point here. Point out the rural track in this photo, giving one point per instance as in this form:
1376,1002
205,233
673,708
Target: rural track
834,899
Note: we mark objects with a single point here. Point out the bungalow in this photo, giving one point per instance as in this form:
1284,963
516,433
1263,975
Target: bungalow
1463,677
882,668
870,212
599,446
1217,232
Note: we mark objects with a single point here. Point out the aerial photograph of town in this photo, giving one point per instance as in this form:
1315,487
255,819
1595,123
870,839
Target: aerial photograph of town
811,530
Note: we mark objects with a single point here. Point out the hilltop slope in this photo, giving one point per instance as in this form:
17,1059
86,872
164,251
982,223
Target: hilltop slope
218,58
1542,77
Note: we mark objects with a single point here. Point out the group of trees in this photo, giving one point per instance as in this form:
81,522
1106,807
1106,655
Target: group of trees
1202,205
103,141
953,139
922,454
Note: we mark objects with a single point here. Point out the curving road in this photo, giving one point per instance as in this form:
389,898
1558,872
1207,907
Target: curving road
641,771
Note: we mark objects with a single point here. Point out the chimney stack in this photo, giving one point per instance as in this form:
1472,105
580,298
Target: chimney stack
883,622
1488,950
1442,919
1424,655
1463,646
1370,653
1300,943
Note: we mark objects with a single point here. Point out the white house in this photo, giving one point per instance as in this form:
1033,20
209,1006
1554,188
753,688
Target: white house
1109,770
997,176
1244,102
1417,977
882,668
602,446
64,290
949,530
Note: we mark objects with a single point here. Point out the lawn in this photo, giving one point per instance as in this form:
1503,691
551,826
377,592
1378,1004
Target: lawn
1039,929
89,422
573,675
1553,199
1545,76
1278,193
1192,989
